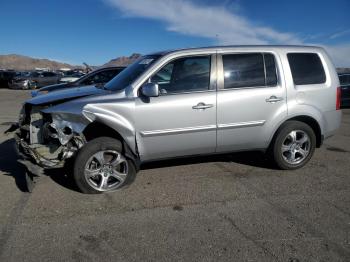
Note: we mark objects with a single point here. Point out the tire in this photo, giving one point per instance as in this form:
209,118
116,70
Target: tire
101,166
296,139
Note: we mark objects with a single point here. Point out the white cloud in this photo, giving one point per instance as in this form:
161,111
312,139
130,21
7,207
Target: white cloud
340,54
227,27
188,18
340,34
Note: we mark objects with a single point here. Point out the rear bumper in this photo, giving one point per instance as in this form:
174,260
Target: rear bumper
332,121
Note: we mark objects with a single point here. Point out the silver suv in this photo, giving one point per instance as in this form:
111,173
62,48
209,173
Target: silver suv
283,100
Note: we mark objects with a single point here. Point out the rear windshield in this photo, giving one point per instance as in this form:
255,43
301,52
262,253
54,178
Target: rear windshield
307,68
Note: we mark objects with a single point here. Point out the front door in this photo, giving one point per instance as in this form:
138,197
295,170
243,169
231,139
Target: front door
182,120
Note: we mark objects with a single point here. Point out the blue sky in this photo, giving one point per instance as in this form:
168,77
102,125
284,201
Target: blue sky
94,31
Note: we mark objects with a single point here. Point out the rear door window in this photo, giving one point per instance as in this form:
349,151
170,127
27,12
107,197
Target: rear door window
249,70
306,68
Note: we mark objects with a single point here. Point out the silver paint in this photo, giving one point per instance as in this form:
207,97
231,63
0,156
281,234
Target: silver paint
216,120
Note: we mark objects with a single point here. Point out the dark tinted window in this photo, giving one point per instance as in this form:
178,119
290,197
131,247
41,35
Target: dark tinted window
48,74
344,80
306,68
34,74
271,73
101,77
243,70
184,75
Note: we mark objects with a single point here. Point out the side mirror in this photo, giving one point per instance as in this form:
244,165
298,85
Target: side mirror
150,90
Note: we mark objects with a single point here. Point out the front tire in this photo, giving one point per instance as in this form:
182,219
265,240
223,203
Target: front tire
101,167
294,145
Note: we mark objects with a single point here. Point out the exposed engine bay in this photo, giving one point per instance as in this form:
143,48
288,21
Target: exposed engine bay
48,139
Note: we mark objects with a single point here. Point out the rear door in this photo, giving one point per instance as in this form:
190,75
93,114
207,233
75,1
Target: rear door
251,98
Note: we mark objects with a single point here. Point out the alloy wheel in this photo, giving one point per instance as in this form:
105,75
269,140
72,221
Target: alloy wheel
296,147
106,170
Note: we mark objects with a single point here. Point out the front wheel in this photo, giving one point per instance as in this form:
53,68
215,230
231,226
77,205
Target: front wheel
101,166
293,145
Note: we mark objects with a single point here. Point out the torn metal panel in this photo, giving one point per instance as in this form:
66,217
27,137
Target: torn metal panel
48,139
65,130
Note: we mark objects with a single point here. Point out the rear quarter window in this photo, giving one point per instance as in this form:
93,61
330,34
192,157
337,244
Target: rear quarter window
306,68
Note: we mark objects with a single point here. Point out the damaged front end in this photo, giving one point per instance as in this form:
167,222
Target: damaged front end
48,139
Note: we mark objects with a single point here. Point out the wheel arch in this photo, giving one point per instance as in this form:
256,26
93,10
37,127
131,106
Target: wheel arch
99,129
310,121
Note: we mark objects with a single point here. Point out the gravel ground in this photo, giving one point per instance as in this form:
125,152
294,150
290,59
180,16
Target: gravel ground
223,208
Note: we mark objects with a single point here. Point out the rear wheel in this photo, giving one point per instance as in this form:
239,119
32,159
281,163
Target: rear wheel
293,145
102,167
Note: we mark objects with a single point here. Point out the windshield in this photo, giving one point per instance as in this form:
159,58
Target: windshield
133,71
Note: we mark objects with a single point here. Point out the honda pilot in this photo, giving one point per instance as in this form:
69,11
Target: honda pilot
282,100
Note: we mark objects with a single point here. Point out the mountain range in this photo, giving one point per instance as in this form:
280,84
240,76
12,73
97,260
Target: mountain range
24,63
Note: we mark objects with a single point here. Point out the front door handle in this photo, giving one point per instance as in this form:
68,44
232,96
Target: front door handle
202,105
273,99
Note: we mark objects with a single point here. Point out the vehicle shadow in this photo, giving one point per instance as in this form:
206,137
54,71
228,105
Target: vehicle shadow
249,158
63,176
9,165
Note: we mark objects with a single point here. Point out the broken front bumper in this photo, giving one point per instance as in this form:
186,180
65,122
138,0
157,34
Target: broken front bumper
30,153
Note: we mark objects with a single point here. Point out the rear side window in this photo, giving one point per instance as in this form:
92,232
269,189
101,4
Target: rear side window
307,68
249,70
48,74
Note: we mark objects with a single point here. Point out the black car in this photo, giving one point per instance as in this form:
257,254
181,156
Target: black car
6,78
345,89
99,76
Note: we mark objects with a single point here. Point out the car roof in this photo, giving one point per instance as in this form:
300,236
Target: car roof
109,67
233,47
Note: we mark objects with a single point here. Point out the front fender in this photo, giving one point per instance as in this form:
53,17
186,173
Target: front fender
121,122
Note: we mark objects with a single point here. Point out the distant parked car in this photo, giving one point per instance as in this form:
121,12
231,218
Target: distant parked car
345,89
6,78
33,80
71,78
99,76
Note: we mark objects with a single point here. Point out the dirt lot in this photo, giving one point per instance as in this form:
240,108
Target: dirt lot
222,208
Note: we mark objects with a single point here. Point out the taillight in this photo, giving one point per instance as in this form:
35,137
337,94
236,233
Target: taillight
337,103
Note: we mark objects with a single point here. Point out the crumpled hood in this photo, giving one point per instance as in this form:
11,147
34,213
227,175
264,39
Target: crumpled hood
66,94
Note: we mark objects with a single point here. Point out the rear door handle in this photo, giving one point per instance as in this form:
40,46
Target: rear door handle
273,99
202,105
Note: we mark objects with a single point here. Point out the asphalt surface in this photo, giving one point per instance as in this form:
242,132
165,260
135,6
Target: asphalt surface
223,208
